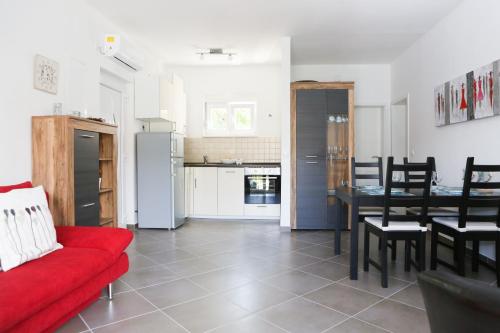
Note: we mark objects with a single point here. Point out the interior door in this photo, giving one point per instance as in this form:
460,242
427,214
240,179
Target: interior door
368,133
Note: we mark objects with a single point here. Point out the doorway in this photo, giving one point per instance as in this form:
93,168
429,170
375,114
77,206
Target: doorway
400,130
369,132
113,104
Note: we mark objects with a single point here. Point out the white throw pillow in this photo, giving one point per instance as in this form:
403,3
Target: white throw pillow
26,227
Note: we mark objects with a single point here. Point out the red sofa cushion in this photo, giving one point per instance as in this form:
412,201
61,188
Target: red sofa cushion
112,240
53,316
29,288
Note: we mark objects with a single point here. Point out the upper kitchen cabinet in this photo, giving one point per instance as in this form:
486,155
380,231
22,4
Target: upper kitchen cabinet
160,99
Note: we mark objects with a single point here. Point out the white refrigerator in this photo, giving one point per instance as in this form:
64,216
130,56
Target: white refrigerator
160,180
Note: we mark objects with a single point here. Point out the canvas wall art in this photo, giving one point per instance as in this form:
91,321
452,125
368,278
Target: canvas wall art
46,74
474,95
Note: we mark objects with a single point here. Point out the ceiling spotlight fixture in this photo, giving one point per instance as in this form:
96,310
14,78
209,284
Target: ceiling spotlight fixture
216,52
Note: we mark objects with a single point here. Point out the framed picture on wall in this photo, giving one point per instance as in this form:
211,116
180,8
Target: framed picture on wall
45,74
474,95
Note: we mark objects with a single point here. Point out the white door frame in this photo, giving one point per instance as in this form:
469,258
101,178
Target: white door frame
123,89
399,102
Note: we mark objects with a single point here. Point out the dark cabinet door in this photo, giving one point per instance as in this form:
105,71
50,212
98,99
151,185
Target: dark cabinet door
311,194
311,135
86,166
337,101
311,123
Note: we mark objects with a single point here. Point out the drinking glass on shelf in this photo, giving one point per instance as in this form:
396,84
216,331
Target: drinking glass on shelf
397,176
436,180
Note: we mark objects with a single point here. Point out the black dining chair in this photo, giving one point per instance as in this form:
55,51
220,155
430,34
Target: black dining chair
433,211
372,173
479,220
459,305
398,226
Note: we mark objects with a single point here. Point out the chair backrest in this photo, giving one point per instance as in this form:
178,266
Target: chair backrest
417,175
459,305
419,196
481,195
379,175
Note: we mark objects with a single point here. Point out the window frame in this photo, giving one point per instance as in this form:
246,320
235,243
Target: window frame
230,130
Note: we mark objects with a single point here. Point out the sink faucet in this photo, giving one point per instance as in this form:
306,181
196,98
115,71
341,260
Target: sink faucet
205,159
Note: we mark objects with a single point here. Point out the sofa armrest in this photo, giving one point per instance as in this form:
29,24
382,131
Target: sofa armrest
112,240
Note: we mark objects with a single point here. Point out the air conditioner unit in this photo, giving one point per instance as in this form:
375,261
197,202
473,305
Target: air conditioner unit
122,51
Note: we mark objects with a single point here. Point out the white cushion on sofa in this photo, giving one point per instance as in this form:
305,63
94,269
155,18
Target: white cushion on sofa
26,227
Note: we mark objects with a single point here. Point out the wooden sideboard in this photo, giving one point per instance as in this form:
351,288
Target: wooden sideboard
75,159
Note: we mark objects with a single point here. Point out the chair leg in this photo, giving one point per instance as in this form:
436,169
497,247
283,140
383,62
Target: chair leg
460,250
366,251
383,260
416,252
497,250
475,255
434,244
379,244
421,252
394,250
407,255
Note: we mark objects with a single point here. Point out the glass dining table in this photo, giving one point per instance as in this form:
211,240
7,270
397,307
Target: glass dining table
373,196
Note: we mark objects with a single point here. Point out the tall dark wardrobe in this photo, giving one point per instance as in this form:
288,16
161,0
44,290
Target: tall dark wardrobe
322,143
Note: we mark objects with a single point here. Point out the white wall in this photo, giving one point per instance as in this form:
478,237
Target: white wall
66,31
284,94
372,86
459,43
232,83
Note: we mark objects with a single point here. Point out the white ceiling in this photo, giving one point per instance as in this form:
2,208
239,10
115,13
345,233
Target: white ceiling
323,31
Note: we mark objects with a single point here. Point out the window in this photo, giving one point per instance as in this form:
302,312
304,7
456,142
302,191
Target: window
230,119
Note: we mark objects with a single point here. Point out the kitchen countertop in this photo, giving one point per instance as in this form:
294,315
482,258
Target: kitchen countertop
244,165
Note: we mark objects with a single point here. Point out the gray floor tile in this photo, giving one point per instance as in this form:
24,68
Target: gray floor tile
256,296
156,322
249,325
191,266
152,247
327,270
318,251
172,293
166,257
297,282
148,276
260,268
411,296
229,258
205,314
300,315
344,299
293,260
222,279
74,325
140,261
371,282
122,306
355,326
396,317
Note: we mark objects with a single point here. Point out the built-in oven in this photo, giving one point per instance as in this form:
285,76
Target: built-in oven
262,185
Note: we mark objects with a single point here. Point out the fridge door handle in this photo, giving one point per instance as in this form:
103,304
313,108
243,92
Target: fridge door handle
174,163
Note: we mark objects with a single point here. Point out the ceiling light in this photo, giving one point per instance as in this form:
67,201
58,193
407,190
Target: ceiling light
214,52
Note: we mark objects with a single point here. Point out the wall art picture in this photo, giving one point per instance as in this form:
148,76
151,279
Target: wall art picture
46,74
474,95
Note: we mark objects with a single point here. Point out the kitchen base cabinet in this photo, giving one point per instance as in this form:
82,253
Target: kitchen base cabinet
263,211
230,191
204,191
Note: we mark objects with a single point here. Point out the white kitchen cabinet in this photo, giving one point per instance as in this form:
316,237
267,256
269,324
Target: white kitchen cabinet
204,191
263,210
147,96
189,189
231,191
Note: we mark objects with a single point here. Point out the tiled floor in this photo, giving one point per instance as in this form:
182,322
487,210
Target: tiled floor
247,276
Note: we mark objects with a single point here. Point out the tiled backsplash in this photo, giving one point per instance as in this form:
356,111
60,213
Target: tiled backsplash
247,149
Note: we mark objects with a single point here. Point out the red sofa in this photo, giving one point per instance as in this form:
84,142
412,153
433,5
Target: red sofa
41,295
